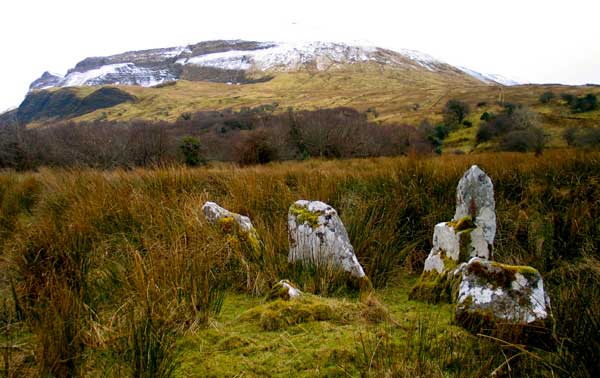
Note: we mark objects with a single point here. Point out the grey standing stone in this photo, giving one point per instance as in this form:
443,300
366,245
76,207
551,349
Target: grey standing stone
317,236
475,198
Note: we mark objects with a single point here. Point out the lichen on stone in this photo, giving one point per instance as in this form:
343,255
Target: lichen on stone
304,215
462,224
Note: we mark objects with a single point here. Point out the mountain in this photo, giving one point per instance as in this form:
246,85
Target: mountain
241,62
392,87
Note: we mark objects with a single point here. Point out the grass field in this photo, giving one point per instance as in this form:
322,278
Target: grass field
116,273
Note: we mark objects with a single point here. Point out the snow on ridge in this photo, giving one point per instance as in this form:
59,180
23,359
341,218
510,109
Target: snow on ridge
175,51
288,55
118,73
81,78
490,78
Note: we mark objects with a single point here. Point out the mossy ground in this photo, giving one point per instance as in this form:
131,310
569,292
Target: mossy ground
310,337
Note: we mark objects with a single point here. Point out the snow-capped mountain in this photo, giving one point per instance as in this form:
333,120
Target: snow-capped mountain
230,61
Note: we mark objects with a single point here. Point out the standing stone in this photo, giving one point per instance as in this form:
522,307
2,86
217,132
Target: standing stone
317,236
475,198
491,292
471,232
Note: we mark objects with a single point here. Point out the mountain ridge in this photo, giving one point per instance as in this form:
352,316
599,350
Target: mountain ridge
239,61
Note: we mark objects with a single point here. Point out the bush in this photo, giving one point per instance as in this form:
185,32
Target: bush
582,137
567,98
546,97
583,104
455,112
531,139
190,148
486,116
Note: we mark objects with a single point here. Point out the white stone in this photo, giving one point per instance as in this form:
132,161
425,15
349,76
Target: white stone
475,197
291,290
214,213
446,244
522,300
321,240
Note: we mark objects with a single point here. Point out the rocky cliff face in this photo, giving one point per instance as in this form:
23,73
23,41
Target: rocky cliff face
237,62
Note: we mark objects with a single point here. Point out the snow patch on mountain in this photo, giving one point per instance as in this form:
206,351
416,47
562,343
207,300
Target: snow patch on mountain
155,66
119,73
490,78
286,56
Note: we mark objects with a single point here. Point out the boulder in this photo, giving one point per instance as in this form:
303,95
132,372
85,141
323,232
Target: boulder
232,223
475,198
215,214
491,293
318,237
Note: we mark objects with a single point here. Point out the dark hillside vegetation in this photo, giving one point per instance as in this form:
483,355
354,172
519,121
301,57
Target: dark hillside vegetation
66,103
115,273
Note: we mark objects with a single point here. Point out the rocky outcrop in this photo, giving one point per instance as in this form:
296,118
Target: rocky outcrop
318,237
493,292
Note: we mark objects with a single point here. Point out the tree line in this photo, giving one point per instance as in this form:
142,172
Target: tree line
248,136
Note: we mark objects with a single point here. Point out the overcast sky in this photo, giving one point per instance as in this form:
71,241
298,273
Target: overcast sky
532,40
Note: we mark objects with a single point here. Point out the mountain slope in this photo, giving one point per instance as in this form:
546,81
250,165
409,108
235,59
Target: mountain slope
234,61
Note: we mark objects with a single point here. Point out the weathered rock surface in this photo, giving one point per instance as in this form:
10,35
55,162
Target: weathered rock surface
216,214
494,292
475,198
455,242
472,230
317,236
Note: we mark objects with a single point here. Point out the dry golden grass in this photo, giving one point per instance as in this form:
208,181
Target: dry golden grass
102,271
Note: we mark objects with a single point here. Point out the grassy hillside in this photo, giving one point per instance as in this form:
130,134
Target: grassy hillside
116,273
389,95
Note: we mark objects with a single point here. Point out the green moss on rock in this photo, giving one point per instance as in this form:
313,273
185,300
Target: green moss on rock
303,215
462,224
433,287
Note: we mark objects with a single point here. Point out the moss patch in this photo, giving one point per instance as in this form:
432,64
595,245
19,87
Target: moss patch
462,224
500,275
303,215
433,287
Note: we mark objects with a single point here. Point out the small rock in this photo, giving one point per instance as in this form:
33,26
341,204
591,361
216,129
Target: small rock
494,292
284,289
215,214
317,236
475,198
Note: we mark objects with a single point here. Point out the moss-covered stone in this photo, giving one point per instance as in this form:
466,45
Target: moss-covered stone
303,215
